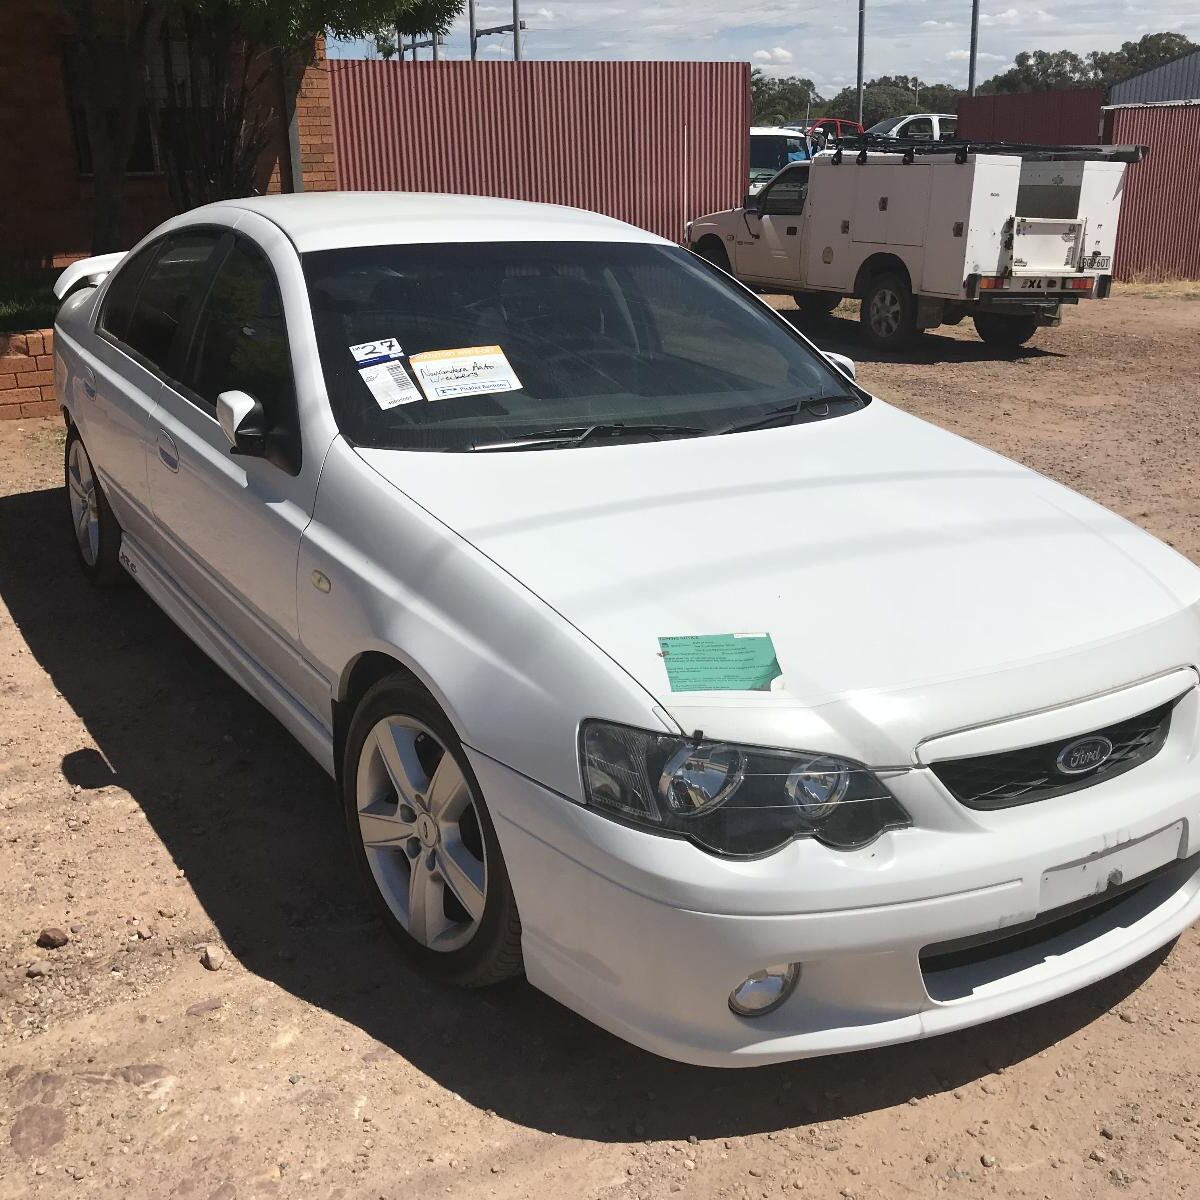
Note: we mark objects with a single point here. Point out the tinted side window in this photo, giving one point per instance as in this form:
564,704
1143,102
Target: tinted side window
169,286
122,292
240,342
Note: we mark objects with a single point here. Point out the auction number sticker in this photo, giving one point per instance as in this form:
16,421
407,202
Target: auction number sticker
380,368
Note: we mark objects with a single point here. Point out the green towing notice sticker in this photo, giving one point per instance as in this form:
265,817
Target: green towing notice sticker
722,662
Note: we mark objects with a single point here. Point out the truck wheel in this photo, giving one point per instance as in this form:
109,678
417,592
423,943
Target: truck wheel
889,312
816,304
711,250
999,330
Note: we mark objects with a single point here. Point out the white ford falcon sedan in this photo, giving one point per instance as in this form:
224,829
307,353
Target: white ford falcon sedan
745,714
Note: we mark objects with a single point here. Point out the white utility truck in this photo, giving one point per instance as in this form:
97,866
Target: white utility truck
926,235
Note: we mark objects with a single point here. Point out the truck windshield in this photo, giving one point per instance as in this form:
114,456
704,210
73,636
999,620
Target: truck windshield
457,346
886,125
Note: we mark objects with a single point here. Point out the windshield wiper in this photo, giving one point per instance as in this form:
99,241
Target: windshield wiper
777,414
577,435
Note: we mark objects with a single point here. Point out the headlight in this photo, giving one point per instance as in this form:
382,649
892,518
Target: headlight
739,801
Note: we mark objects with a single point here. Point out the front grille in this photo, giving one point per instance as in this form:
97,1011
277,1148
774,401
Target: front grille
1015,777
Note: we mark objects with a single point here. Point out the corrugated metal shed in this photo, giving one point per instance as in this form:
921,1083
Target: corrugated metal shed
1071,116
1178,80
652,143
1160,214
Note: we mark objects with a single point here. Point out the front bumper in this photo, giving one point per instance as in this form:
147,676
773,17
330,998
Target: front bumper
646,936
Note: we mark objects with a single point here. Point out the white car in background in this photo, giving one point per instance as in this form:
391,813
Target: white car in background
925,127
772,149
751,717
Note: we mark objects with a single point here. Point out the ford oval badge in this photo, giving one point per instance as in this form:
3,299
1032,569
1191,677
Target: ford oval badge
1084,754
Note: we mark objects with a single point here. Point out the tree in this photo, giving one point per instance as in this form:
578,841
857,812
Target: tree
1041,71
1150,51
421,19
1052,70
228,48
784,100
894,96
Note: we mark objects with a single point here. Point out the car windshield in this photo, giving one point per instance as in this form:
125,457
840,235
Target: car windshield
886,125
471,345
773,152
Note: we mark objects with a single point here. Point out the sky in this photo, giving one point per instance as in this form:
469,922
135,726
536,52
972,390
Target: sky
926,38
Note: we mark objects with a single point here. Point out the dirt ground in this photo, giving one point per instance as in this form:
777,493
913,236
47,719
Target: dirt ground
149,809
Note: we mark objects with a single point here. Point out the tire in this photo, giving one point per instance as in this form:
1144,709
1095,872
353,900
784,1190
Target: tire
997,329
424,841
95,533
816,304
889,312
711,250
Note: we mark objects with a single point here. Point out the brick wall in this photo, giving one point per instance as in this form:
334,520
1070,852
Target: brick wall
314,116
27,375
45,205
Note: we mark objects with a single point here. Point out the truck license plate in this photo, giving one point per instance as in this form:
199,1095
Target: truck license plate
1095,262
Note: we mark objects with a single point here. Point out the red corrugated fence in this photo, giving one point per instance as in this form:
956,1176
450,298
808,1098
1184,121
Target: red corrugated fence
1071,116
1159,234
652,143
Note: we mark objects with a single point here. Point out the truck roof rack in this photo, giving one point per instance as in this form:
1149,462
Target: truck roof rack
1031,151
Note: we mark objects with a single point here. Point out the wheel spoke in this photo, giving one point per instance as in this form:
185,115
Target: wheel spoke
81,525
448,794
384,830
426,912
398,749
464,875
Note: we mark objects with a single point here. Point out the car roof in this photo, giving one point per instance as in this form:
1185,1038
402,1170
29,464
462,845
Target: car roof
330,220
780,130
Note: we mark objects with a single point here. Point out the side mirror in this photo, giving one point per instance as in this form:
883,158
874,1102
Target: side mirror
752,206
243,423
843,364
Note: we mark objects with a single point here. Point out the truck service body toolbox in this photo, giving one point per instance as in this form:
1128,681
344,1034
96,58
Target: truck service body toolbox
942,235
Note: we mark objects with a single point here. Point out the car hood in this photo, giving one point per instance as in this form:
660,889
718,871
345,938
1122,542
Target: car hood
881,553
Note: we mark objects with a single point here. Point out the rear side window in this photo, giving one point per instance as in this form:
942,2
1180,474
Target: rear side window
239,341
122,293
169,286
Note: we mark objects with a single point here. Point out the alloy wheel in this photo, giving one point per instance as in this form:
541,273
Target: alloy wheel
421,833
886,312
85,504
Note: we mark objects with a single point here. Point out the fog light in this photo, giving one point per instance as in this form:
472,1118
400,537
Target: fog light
764,991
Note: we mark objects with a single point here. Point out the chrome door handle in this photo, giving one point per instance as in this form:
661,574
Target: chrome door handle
168,452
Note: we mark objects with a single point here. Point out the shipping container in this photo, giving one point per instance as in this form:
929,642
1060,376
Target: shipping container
651,143
1070,117
1159,233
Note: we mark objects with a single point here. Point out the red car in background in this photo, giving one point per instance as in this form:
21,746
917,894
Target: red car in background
835,127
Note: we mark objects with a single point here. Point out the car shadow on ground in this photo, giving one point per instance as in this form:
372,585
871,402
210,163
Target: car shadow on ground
255,825
844,335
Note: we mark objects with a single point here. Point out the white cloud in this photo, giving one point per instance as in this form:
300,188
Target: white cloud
1010,16
937,24
964,55
778,56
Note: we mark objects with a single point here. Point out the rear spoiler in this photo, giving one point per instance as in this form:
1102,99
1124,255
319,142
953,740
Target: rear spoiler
88,270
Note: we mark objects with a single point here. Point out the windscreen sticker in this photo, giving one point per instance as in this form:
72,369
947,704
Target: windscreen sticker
473,371
390,384
382,350
723,662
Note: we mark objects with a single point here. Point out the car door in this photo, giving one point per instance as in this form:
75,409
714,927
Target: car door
231,525
137,319
770,247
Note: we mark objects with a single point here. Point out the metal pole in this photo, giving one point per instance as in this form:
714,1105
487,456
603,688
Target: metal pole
433,37
517,30
862,43
974,47
474,25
